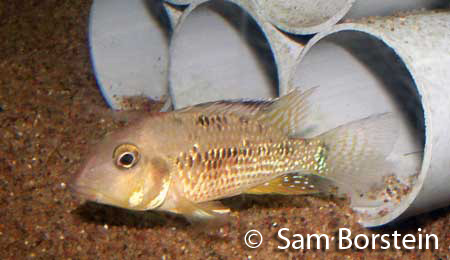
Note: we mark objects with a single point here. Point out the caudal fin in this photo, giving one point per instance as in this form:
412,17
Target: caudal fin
357,152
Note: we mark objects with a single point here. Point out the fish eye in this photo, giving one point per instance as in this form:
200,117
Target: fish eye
126,156
126,159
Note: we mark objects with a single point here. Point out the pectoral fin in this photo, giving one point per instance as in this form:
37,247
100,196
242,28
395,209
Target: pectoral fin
294,184
210,209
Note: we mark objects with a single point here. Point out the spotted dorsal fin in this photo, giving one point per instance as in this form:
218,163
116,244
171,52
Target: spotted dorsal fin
287,112
284,113
247,108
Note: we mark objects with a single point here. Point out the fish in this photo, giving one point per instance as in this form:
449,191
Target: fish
185,161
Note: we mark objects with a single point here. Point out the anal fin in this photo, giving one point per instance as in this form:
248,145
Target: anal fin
294,184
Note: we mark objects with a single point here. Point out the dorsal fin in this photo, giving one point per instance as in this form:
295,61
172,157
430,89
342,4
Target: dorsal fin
248,108
286,112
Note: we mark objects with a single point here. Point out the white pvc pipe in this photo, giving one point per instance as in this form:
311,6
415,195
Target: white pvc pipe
364,8
217,53
303,16
313,16
129,49
180,2
397,64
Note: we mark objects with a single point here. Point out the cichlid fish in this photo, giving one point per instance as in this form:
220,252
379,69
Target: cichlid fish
184,161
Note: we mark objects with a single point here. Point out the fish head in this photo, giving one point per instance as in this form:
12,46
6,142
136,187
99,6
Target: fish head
125,170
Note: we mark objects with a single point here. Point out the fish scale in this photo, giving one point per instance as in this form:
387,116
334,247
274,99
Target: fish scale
233,154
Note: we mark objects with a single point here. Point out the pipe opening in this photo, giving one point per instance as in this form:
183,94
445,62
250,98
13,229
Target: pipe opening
129,49
220,52
358,76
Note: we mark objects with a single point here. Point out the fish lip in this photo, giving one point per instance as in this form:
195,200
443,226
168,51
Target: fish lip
90,194
83,191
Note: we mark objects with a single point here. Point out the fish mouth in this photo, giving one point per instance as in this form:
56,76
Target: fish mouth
90,194
83,192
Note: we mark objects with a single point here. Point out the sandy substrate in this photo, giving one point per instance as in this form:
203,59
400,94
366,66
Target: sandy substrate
51,110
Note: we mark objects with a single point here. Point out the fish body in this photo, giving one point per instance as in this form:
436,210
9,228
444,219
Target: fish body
184,161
